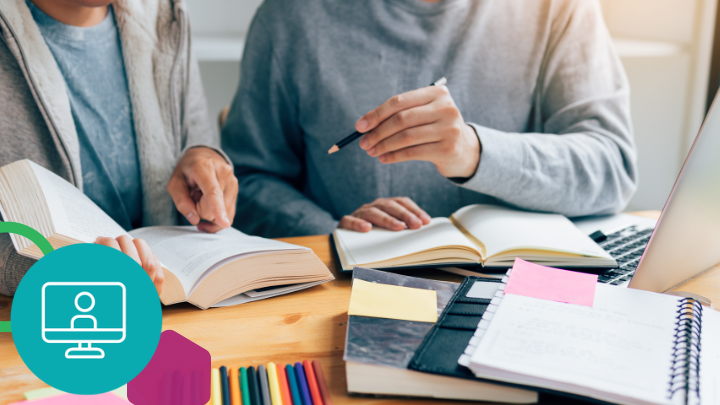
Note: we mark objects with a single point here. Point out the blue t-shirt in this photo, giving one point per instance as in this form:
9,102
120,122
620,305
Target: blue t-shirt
91,61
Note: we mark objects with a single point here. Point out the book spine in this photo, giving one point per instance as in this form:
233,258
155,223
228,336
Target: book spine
684,385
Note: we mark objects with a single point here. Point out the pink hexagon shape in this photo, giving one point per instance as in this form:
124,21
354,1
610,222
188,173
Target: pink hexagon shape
178,374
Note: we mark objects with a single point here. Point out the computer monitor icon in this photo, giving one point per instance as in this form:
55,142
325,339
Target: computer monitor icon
83,313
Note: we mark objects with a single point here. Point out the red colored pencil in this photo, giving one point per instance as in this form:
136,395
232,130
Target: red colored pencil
312,383
320,377
284,389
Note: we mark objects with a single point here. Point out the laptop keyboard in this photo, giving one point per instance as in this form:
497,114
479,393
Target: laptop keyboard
626,246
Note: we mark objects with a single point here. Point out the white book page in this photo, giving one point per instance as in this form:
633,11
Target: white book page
500,229
710,357
622,345
73,213
253,295
189,253
381,244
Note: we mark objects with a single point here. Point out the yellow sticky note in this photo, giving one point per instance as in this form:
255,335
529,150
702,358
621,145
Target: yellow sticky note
392,302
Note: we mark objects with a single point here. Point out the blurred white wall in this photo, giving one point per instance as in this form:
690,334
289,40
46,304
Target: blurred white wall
665,46
219,28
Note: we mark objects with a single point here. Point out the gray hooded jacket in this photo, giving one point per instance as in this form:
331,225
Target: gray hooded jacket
169,109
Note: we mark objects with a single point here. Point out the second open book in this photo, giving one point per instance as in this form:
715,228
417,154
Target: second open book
204,269
486,235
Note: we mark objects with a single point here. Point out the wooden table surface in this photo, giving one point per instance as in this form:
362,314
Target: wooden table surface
309,324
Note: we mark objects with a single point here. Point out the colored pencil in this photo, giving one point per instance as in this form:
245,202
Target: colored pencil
245,389
216,390
225,385
293,383
312,383
264,386
255,396
284,389
355,135
320,377
235,387
303,384
274,384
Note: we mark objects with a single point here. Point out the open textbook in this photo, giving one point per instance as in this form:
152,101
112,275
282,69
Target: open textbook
203,269
486,235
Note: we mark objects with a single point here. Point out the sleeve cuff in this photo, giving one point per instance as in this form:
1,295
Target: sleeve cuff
501,160
218,150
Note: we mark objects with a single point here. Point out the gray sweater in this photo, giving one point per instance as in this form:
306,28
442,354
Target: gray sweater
539,81
169,109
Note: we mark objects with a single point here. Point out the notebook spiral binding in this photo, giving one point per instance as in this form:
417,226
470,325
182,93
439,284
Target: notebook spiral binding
685,366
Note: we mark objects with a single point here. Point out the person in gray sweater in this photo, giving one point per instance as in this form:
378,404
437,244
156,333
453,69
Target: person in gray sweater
535,114
107,95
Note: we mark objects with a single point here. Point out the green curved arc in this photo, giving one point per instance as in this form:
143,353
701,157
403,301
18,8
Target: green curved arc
35,237
24,230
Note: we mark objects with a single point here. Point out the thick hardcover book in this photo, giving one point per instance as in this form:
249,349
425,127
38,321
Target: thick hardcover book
378,351
225,268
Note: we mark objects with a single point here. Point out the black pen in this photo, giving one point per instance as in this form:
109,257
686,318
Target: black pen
355,135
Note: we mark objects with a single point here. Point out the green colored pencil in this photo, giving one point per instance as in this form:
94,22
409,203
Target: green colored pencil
244,386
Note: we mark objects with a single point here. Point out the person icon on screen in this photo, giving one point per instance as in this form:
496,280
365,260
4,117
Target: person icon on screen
81,309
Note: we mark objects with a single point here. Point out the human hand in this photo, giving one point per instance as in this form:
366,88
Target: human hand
423,124
203,186
395,214
139,251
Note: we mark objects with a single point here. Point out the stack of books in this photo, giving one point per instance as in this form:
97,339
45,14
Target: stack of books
540,337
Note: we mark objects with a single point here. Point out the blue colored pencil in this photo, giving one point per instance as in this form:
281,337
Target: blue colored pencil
255,395
292,382
224,381
302,382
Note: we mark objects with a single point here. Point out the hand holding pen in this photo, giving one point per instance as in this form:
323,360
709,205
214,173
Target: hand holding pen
423,124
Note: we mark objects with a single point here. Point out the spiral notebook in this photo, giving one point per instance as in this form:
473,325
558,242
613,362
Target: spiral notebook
630,347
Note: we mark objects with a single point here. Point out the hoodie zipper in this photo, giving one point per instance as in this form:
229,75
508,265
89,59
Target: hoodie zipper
41,102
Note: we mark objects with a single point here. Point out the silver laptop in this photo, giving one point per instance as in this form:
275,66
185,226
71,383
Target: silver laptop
686,240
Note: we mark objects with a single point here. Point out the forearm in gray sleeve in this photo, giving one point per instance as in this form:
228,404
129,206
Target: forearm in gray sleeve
12,266
574,174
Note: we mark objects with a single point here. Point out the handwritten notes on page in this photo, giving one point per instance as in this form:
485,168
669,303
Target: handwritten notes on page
619,349
536,281
393,302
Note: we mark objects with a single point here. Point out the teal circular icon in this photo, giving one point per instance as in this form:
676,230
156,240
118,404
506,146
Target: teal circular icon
86,319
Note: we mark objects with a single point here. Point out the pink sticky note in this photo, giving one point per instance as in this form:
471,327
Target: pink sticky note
107,398
534,280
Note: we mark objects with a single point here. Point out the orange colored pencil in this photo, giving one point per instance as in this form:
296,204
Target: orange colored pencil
234,387
312,383
284,389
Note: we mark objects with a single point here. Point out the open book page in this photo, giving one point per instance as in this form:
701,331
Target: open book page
74,215
190,254
381,244
253,295
500,229
622,345
710,357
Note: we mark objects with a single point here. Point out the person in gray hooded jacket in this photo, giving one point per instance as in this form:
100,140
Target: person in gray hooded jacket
108,96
